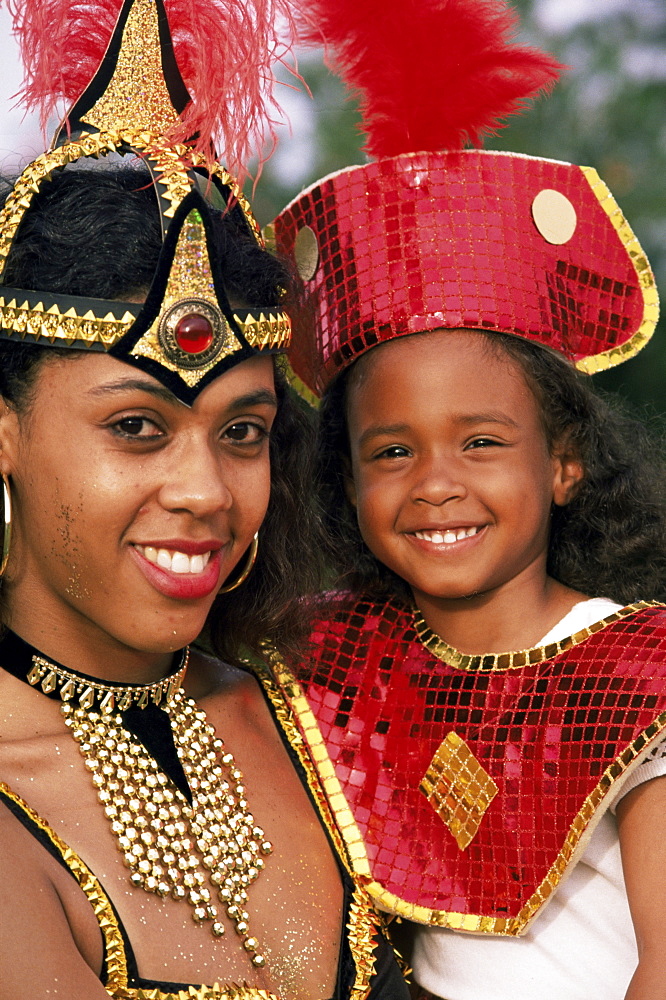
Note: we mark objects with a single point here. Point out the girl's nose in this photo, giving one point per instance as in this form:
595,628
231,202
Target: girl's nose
196,483
437,483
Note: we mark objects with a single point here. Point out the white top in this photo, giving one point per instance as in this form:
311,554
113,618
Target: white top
582,946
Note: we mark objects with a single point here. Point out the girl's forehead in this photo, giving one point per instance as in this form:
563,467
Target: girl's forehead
431,349
437,374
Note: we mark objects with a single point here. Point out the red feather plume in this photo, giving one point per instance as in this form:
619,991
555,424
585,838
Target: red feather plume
431,74
225,49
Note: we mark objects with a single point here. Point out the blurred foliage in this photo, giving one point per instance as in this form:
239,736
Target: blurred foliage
607,111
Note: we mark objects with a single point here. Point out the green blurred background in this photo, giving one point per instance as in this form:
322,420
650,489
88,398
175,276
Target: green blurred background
608,111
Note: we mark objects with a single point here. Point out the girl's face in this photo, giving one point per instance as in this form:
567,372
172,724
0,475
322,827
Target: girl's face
131,509
452,477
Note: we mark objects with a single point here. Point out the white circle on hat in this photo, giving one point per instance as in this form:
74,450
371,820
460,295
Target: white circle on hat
306,252
554,216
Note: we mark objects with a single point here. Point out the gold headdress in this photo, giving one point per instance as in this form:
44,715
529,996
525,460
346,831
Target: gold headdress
186,332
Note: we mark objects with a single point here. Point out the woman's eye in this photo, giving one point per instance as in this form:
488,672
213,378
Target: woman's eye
136,427
245,432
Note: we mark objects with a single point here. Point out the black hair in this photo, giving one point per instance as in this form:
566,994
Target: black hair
609,541
97,233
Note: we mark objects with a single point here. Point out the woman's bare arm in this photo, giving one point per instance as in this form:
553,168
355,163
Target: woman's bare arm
641,817
49,938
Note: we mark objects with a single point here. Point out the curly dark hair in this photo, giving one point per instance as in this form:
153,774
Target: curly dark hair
97,233
609,541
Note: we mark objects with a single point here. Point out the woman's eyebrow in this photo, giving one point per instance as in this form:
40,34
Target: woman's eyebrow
257,398
136,384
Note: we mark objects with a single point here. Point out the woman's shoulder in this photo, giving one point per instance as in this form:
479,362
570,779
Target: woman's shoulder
209,677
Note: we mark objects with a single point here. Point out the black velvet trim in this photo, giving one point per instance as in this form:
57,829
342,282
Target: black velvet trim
81,303
150,725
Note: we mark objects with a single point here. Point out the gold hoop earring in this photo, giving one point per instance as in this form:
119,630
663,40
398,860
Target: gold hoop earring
252,556
7,523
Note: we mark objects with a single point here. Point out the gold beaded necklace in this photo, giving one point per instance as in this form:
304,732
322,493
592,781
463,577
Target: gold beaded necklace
204,848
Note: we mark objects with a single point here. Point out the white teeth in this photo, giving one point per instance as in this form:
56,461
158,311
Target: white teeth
446,537
180,563
164,558
176,562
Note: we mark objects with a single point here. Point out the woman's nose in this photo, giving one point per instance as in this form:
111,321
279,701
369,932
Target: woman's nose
195,482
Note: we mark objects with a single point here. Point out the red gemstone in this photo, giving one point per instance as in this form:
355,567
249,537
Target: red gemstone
194,333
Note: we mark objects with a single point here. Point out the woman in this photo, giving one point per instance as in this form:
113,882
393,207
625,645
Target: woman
161,825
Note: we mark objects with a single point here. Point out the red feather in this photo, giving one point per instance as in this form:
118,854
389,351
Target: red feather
431,74
225,51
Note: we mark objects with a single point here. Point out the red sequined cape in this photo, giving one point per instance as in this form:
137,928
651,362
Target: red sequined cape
470,789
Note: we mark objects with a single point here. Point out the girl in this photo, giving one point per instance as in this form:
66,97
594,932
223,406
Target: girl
160,826
489,691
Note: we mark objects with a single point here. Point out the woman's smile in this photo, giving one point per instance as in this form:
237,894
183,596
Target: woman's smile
176,574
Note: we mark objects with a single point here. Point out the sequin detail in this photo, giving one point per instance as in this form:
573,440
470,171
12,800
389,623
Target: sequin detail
211,849
424,241
554,737
458,788
137,95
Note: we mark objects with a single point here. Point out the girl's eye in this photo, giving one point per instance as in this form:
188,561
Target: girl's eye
245,432
483,442
136,427
393,451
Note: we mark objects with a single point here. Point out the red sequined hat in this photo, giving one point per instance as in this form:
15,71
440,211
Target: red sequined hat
427,239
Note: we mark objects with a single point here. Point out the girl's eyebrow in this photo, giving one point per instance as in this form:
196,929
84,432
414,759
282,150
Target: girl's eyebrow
490,417
466,419
379,430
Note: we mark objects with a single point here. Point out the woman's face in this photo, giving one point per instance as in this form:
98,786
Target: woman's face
131,509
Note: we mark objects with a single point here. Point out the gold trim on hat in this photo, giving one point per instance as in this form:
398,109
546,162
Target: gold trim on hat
266,330
616,355
133,114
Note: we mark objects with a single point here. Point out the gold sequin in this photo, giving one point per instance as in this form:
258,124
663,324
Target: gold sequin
458,788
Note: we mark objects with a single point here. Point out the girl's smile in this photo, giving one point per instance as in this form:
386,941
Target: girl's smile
453,480
445,537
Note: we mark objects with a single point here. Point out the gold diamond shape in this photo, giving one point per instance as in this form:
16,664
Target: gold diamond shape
458,788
